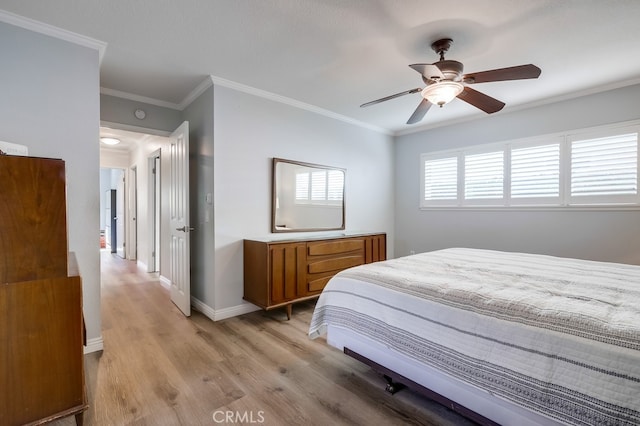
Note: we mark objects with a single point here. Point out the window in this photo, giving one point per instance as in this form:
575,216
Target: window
605,168
441,179
302,186
535,173
484,176
594,167
335,185
320,187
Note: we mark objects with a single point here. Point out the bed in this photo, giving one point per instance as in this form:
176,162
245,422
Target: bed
519,339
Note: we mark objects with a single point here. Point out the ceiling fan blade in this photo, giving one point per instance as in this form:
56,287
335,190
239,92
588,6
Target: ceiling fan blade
428,71
386,98
480,100
520,72
419,113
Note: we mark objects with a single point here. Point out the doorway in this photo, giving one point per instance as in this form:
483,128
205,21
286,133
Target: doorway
157,204
112,209
145,215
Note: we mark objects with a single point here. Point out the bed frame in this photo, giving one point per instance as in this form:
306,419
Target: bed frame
396,382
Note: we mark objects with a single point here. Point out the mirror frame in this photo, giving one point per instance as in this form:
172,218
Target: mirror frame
274,191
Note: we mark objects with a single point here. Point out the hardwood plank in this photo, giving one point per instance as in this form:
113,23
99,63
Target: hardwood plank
161,368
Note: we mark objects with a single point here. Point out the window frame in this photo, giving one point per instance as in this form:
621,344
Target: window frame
326,200
621,199
538,201
563,201
441,202
462,174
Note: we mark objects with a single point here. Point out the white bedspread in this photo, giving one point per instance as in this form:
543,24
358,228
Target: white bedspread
560,337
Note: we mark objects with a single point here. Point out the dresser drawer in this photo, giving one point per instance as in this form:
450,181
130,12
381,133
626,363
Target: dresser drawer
325,248
335,264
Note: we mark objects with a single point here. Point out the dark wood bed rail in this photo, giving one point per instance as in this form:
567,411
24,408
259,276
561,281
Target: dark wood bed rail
416,387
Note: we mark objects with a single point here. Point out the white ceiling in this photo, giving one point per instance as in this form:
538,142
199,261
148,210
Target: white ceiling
334,55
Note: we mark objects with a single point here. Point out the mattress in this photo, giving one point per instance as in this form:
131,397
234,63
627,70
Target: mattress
557,338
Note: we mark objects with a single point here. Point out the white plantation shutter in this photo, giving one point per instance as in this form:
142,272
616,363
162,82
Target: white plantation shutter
319,185
484,176
596,167
605,169
535,173
302,186
335,185
440,180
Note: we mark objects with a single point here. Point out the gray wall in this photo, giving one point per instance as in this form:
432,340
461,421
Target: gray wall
249,132
50,102
200,116
598,235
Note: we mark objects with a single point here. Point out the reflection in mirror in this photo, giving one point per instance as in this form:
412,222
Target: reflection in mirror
306,197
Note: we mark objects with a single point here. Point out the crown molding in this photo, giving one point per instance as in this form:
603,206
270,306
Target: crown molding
139,98
192,96
294,103
213,80
51,31
199,90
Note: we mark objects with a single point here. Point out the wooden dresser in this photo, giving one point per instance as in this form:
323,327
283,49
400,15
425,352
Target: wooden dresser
41,326
282,272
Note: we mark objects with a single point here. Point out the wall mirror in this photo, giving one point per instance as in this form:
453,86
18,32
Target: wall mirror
306,197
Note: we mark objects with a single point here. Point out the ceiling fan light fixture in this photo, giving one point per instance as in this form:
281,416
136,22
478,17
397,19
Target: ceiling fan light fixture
110,141
442,92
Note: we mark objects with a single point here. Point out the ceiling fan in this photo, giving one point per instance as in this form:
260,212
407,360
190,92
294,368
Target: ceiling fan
444,82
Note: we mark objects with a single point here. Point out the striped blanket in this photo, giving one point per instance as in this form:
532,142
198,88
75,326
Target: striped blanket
560,337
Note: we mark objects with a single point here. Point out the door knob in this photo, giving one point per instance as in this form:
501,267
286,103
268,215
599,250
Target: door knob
185,229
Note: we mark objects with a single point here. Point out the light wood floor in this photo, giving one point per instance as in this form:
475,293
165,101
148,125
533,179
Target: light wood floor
160,368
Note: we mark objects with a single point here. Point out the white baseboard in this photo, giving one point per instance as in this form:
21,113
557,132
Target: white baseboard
165,282
94,345
220,314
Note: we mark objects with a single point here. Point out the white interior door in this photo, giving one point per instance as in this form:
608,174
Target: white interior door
179,219
120,217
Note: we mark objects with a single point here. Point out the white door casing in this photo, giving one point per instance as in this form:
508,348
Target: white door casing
157,216
132,210
120,216
153,209
179,219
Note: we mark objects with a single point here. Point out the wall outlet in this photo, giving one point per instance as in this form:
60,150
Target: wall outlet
412,252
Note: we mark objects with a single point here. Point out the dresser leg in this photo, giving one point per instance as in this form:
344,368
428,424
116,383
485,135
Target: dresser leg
80,419
289,310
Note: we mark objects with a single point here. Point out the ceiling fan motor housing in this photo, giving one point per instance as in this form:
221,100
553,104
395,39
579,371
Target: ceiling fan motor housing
452,70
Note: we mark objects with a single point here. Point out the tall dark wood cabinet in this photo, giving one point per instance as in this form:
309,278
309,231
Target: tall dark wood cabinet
41,323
